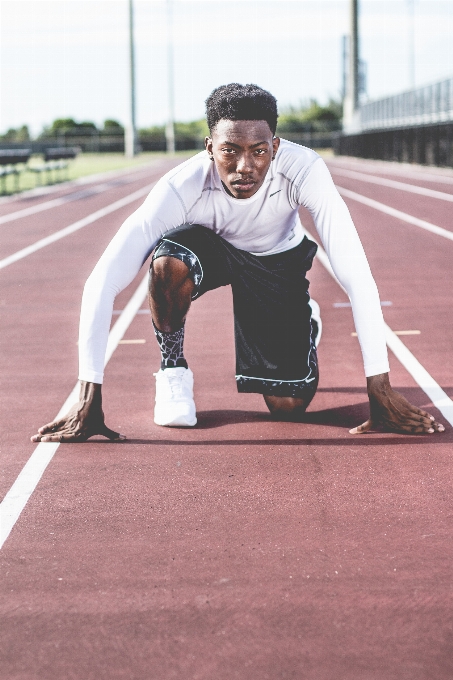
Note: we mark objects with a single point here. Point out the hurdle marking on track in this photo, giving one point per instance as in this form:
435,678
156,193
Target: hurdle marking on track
57,235
27,480
396,213
393,184
436,394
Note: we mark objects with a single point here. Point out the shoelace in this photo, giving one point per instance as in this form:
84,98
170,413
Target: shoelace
175,383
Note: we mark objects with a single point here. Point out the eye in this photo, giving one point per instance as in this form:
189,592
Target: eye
229,150
260,152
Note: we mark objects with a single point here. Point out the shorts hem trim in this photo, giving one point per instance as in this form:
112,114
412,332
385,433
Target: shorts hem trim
306,380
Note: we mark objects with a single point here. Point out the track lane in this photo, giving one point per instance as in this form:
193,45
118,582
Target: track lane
414,174
394,184
38,198
17,236
39,312
426,208
244,548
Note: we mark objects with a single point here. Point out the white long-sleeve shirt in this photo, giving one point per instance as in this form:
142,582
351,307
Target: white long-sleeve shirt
264,224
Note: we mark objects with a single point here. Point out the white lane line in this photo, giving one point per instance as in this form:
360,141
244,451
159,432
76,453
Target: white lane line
156,166
354,335
67,198
338,305
139,341
46,205
393,184
393,168
436,394
439,398
56,236
27,480
396,213
54,203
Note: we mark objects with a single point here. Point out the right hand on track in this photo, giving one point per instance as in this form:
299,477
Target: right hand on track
84,420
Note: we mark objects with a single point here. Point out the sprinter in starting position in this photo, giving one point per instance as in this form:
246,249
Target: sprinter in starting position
229,216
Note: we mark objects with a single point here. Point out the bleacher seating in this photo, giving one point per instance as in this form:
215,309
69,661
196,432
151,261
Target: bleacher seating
11,161
55,164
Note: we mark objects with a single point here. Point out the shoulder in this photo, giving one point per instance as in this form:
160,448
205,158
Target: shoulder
294,161
190,175
181,185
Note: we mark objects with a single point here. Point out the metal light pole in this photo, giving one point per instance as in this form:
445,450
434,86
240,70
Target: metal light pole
411,43
344,65
351,102
130,137
354,56
170,127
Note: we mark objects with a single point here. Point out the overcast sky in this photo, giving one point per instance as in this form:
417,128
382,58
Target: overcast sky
69,58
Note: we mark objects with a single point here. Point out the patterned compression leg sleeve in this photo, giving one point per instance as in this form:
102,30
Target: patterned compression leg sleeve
171,348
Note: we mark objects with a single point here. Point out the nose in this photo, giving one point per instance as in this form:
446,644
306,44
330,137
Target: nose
245,163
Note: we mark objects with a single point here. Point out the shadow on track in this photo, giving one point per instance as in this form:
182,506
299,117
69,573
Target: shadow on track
343,417
386,439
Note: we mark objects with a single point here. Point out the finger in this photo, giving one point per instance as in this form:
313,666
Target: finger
421,412
51,427
361,429
414,426
61,438
49,437
111,434
431,422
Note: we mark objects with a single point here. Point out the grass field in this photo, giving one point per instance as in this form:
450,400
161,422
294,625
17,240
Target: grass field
85,164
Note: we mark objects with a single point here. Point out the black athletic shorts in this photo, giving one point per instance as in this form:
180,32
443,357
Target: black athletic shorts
275,350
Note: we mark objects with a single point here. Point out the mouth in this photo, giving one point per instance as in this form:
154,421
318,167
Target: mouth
243,184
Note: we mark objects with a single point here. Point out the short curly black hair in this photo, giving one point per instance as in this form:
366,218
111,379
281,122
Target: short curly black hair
241,102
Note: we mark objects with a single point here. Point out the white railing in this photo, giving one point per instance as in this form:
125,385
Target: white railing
425,105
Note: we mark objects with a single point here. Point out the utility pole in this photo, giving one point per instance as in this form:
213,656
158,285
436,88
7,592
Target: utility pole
130,137
411,43
344,65
170,127
351,102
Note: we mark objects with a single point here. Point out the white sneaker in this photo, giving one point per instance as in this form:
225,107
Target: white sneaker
316,320
175,406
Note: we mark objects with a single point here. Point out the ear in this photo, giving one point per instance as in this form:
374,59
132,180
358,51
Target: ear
208,145
275,145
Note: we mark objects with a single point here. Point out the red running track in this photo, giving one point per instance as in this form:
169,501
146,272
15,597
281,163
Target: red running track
242,548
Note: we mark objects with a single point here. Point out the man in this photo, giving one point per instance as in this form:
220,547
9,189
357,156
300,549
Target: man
229,216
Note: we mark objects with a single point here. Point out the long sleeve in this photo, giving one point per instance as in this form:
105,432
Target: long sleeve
117,267
349,263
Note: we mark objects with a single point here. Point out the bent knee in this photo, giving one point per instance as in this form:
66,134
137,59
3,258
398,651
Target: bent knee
286,408
169,271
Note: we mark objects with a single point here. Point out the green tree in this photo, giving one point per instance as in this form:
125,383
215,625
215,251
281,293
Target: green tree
311,116
20,134
67,127
111,125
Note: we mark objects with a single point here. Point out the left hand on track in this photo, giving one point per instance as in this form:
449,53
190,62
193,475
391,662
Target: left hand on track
390,411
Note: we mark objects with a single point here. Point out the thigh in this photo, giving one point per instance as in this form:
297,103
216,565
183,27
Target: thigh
206,254
274,349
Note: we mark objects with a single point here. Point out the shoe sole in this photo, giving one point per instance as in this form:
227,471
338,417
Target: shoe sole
177,423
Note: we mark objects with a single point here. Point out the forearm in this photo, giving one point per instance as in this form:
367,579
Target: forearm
117,267
349,263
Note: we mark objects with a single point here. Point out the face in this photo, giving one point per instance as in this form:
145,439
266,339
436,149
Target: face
243,151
